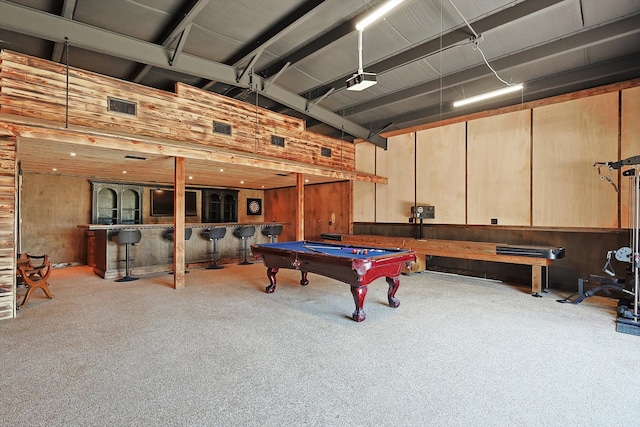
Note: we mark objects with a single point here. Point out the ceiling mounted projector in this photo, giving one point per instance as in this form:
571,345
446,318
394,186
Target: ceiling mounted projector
361,81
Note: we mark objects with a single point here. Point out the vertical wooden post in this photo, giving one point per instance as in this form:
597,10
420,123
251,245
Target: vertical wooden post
350,216
178,223
300,207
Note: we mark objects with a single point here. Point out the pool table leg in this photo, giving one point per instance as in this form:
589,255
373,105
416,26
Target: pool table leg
359,293
271,274
303,280
394,283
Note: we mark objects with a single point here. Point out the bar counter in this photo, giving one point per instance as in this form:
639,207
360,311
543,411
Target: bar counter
154,253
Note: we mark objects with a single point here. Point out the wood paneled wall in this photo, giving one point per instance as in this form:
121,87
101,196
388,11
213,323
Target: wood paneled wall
568,138
394,200
499,169
440,179
630,146
36,88
532,167
7,210
327,209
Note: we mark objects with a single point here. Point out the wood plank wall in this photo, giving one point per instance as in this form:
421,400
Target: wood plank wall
440,180
630,145
326,209
532,167
7,214
499,169
568,138
397,161
36,88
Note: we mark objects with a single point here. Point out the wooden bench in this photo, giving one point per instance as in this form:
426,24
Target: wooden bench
539,260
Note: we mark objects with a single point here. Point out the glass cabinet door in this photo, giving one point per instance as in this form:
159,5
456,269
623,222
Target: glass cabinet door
130,206
107,206
115,203
219,205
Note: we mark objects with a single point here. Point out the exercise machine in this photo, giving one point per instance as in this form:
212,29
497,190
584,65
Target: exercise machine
628,315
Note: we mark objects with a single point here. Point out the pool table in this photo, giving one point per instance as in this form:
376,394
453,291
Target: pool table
356,265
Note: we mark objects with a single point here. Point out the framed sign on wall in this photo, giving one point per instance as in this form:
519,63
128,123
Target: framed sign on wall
254,206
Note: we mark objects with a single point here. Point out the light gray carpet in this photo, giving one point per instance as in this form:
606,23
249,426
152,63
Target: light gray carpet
221,352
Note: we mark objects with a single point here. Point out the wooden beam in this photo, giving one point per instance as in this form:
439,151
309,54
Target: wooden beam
178,224
300,207
16,126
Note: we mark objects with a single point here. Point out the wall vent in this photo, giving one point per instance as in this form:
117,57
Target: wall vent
120,106
277,141
325,152
222,128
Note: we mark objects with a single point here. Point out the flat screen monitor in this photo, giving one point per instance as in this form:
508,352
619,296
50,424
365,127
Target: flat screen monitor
162,203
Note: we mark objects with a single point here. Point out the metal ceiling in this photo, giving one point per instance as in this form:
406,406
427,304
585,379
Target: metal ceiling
294,56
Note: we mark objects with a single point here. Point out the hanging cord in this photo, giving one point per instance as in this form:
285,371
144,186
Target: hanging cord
66,112
441,31
341,145
476,42
255,134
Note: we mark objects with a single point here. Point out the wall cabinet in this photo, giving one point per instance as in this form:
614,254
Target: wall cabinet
219,205
116,203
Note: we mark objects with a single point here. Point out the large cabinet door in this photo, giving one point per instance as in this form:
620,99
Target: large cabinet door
219,205
115,203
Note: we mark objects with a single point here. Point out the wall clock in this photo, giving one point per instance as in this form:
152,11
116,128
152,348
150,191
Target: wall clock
254,206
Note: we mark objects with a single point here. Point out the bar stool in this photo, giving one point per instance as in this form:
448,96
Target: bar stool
169,236
244,232
214,234
128,238
272,232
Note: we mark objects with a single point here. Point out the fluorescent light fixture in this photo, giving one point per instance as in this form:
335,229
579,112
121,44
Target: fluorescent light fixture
483,96
361,81
361,25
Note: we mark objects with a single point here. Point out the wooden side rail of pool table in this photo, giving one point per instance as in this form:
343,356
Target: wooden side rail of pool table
481,251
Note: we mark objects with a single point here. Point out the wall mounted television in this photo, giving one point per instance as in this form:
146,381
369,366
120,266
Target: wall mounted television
162,203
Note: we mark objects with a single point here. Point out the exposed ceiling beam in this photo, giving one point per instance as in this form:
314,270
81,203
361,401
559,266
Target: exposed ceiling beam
443,42
272,34
316,45
622,69
44,25
68,8
179,27
580,40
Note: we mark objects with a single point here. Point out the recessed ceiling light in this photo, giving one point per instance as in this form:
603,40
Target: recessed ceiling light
221,170
72,154
124,171
54,169
241,182
190,177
